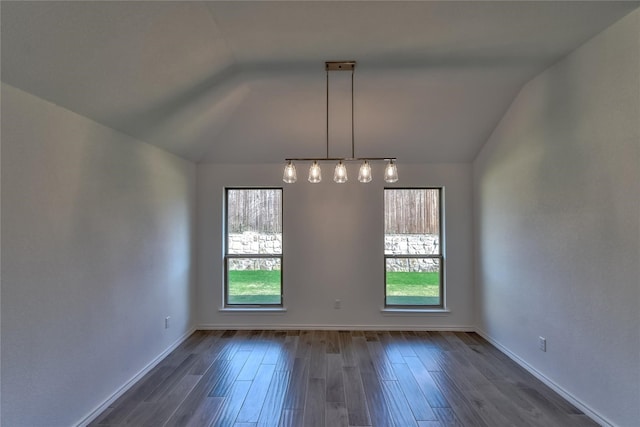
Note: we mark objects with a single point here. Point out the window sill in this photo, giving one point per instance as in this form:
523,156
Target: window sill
386,311
259,310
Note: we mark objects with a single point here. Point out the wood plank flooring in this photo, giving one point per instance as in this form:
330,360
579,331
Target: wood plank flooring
339,379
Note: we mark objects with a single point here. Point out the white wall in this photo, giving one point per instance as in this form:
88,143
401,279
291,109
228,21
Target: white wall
333,247
96,250
557,224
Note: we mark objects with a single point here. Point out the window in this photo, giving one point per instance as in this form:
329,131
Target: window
413,248
253,250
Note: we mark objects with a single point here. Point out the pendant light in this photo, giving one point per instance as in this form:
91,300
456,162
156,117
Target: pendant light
290,173
391,172
315,174
340,172
365,172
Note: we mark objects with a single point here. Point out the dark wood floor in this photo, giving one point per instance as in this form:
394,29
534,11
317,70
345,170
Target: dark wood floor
336,378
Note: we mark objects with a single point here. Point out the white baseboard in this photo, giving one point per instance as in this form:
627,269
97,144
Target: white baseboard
276,327
598,418
104,405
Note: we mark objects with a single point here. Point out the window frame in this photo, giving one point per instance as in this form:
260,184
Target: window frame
227,256
439,256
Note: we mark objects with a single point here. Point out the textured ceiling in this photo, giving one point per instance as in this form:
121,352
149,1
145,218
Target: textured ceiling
244,81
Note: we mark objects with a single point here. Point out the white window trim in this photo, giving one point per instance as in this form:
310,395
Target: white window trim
427,309
248,308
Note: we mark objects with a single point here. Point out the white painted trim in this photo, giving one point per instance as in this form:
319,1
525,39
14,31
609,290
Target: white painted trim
267,327
415,311
126,386
598,418
250,310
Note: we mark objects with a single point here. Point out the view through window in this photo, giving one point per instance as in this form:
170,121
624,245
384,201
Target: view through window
412,247
253,258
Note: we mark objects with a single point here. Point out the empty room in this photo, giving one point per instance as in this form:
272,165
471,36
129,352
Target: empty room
320,213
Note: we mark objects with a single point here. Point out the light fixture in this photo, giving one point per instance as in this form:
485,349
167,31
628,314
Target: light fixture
340,172
365,172
290,173
391,172
315,174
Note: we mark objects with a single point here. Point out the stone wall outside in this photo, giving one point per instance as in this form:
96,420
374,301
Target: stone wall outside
395,244
412,244
251,242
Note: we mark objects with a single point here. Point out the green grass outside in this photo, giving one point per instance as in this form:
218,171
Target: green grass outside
413,284
254,287
403,288
413,288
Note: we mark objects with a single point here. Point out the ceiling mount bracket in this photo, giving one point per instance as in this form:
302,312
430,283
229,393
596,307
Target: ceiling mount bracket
340,65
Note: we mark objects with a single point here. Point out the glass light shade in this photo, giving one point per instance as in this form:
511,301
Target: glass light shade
365,172
340,173
289,175
315,175
391,172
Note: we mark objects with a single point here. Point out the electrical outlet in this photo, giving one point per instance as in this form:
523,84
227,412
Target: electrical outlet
166,322
542,343
337,304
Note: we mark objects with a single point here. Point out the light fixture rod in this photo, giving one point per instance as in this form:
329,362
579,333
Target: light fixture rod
341,66
352,138
327,71
344,159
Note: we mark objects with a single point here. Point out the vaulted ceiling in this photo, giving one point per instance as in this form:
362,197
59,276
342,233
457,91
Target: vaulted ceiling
244,82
